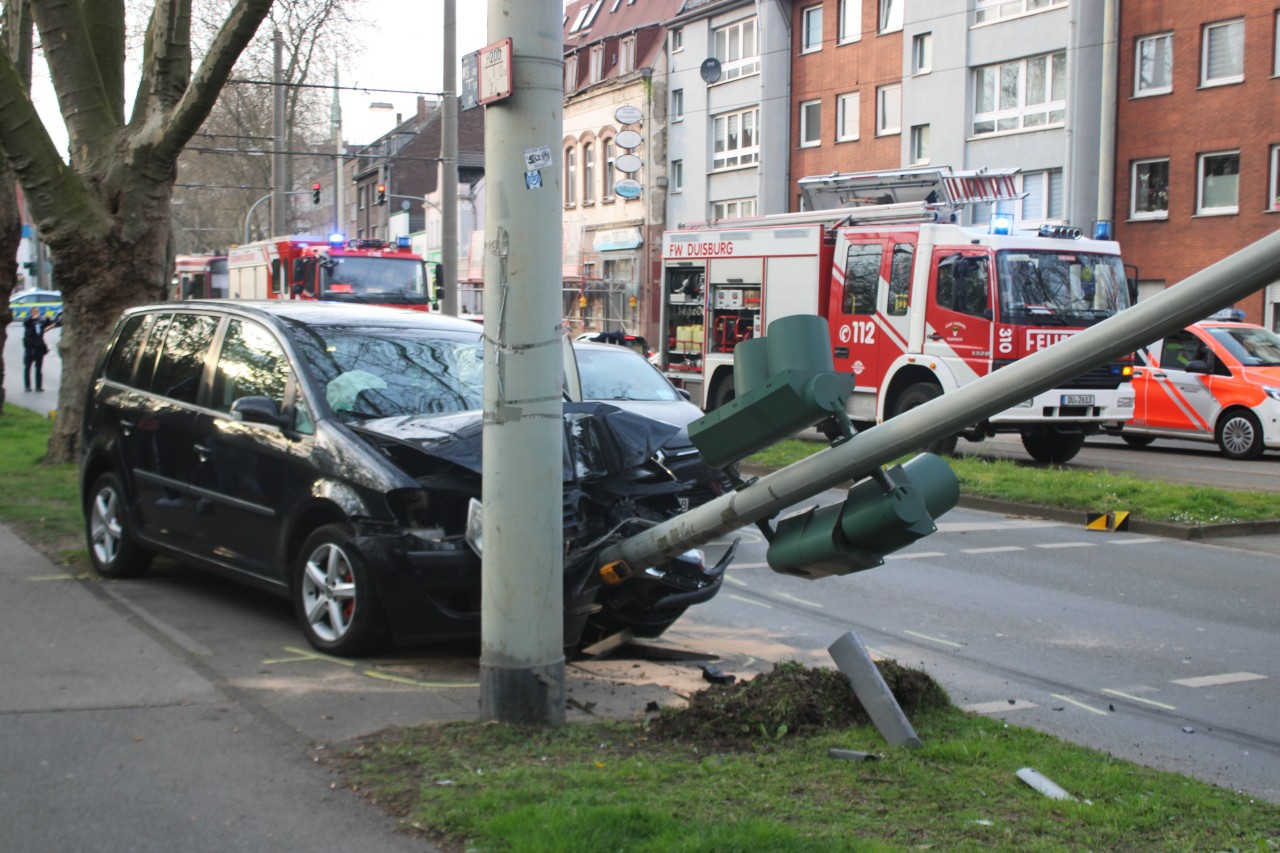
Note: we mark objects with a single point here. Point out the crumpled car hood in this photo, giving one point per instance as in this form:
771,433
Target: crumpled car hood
601,440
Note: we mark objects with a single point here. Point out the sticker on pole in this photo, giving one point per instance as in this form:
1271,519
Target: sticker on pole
533,180
537,158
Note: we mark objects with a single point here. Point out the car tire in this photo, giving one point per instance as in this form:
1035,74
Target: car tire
109,531
1051,447
1136,440
333,595
1239,435
917,395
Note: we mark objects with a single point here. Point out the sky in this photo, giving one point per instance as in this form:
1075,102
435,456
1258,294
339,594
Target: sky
402,50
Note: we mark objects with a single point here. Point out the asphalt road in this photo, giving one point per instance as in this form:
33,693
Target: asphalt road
1189,462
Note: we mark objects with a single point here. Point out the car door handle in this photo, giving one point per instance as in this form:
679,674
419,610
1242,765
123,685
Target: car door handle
127,427
935,337
842,352
1160,375
202,451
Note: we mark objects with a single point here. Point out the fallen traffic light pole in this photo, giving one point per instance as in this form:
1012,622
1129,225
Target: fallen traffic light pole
862,455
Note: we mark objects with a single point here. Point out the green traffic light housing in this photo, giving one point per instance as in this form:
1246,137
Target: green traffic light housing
881,514
785,382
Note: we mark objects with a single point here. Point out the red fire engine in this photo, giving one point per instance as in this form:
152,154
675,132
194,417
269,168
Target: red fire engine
199,277
915,304
374,272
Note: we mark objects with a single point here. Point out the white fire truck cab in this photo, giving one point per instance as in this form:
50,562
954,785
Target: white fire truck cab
915,304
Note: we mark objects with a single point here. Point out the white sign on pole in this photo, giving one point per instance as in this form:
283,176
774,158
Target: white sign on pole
495,72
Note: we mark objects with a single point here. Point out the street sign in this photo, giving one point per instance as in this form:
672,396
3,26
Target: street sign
469,92
495,72
628,188
628,139
628,163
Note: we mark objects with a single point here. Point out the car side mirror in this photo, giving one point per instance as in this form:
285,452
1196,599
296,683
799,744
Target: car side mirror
1197,365
258,410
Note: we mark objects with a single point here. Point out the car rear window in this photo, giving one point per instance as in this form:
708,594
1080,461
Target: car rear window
181,364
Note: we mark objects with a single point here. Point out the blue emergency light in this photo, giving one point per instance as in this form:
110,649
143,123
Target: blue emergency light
336,239
1001,223
402,242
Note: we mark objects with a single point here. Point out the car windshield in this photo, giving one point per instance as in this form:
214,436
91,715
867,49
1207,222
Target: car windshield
1251,347
610,373
388,372
1060,288
377,277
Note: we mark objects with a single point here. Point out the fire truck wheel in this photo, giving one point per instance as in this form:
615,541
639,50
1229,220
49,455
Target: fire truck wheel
1052,447
724,393
916,395
1240,435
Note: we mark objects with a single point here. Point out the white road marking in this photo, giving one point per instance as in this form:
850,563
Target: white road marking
1078,704
915,555
999,707
1066,544
1215,680
789,597
1143,541
934,639
746,600
995,550
1133,698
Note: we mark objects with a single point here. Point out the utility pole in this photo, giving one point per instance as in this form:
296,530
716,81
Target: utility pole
335,119
522,603
280,201
449,164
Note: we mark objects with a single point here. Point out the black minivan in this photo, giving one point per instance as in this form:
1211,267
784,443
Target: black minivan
331,453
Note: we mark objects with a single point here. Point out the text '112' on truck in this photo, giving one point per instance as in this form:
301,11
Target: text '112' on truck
334,269
916,305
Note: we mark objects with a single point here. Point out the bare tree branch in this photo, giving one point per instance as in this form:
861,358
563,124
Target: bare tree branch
85,105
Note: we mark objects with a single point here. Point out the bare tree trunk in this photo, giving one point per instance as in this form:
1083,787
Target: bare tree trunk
15,40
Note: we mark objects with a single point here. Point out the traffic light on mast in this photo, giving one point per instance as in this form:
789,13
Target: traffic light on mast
382,193
315,193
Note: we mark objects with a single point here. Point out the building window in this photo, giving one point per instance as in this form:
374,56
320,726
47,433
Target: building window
919,144
362,196
811,29
737,50
994,10
1275,50
1043,199
570,175
1273,198
922,53
588,173
677,104
610,174
847,106
1149,197
596,72
810,123
888,110
733,208
677,175
736,141
627,55
850,20
1222,59
1021,95
677,40
891,15
571,73
1219,183
1153,65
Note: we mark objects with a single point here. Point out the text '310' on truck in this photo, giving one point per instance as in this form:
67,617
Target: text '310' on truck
372,272
915,305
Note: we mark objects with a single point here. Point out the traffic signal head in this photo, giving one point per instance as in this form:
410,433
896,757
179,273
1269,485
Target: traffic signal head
881,514
315,193
382,193
784,382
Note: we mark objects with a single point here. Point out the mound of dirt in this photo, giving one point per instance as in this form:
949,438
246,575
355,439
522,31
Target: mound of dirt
792,699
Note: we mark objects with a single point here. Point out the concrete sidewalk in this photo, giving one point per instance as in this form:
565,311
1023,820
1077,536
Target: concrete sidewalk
112,741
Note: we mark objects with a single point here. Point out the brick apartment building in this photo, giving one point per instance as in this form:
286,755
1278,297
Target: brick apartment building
1198,139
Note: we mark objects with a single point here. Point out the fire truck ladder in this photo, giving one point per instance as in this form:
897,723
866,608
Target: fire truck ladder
929,194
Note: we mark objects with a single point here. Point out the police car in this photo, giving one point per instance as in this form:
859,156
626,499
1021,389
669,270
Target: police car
48,301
